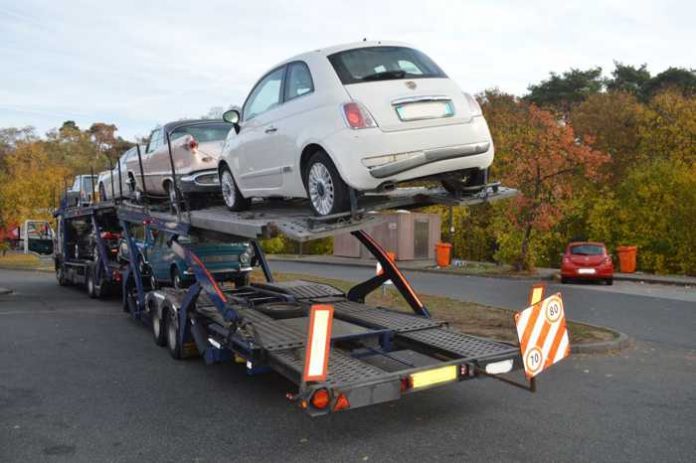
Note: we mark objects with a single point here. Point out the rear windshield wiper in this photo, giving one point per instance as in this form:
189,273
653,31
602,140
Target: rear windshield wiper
386,75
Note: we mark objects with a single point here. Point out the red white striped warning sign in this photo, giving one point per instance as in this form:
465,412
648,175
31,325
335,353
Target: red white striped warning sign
543,335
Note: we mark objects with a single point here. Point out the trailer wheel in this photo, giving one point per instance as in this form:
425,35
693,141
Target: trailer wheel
60,275
159,331
173,334
326,190
129,297
91,292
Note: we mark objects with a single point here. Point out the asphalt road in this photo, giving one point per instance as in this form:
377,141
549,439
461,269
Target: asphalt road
80,381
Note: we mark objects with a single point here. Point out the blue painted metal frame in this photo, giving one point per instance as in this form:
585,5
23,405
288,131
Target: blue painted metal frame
133,254
103,256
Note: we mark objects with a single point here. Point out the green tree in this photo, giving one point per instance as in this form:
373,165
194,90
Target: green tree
627,78
683,80
561,92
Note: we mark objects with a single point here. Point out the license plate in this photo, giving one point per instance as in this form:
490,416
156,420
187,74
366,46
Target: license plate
586,271
432,377
427,110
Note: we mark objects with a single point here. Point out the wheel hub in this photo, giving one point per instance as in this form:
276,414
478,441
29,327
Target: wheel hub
321,188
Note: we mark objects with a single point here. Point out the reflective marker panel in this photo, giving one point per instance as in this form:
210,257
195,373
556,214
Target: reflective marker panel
318,343
432,377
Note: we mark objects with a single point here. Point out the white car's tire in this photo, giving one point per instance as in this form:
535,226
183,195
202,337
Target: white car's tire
326,190
230,192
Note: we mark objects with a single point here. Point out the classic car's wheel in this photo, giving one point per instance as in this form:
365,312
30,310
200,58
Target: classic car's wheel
131,184
173,198
153,282
177,281
327,192
230,192
241,281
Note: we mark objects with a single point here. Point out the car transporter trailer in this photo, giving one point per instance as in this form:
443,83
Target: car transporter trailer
340,352
96,269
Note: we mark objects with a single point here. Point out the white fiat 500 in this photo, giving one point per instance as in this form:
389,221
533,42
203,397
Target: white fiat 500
366,116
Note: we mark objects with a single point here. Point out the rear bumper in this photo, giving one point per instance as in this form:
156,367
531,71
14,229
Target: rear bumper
393,386
203,181
416,153
599,273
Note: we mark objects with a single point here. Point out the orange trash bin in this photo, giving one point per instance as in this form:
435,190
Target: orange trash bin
443,254
627,258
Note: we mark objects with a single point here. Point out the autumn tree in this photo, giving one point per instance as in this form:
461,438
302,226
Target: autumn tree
541,156
612,120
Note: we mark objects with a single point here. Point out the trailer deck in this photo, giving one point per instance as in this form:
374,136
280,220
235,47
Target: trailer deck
294,219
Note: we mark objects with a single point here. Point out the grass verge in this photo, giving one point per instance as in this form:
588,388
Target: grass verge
23,262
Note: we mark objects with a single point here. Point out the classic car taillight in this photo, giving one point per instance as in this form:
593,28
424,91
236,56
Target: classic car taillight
191,144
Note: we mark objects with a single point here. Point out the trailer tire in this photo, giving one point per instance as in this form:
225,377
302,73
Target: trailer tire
159,327
91,292
128,295
173,344
60,276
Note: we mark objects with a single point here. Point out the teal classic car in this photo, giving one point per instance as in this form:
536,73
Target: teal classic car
224,261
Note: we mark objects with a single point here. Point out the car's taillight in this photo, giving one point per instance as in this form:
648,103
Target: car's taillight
473,105
357,117
191,144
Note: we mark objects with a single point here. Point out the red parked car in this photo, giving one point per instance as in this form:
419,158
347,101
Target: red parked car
587,261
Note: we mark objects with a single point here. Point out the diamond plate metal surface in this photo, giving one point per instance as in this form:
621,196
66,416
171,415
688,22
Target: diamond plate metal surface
383,318
302,289
343,369
459,344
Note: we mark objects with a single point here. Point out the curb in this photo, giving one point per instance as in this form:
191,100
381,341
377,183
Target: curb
43,270
604,347
411,269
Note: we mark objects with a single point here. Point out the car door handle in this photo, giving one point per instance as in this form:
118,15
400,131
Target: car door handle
271,129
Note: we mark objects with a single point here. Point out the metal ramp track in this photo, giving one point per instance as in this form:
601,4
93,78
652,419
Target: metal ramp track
458,344
399,322
343,369
301,289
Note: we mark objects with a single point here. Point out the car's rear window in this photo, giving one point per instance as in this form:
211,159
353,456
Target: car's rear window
214,131
587,250
382,63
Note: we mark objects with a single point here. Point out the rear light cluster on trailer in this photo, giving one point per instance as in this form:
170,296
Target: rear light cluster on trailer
357,117
321,400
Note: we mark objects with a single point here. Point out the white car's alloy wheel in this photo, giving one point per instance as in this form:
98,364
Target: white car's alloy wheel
229,193
321,188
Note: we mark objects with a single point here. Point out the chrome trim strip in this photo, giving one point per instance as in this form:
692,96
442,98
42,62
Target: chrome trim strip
428,156
414,99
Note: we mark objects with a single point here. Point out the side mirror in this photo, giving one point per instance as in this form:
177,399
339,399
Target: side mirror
233,117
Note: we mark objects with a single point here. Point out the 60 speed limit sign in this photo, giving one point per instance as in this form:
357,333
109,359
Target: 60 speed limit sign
543,334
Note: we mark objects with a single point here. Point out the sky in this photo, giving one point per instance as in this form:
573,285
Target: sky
137,64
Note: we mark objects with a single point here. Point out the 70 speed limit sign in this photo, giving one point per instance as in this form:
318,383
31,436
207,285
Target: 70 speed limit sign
543,334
